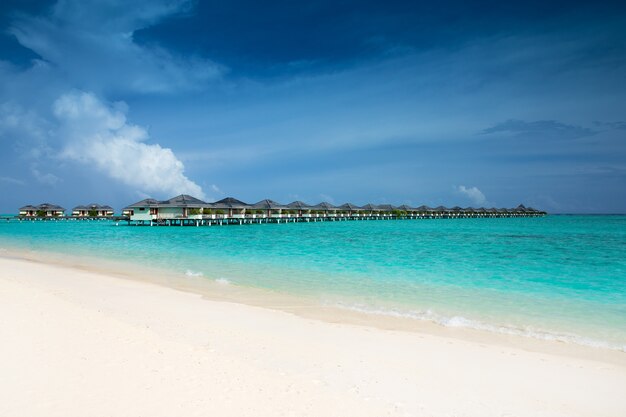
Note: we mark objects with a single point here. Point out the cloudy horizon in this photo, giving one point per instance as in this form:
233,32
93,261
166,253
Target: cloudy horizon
403,103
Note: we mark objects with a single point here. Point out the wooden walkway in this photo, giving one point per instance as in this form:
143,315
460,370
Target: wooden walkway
296,219
225,220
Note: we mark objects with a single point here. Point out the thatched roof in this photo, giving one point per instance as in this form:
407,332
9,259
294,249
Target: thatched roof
324,206
43,207
385,207
349,206
147,202
370,207
404,207
93,206
268,205
299,205
183,200
230,203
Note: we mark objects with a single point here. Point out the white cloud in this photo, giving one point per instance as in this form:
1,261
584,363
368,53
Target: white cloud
473,194
216,189
13,181
98,134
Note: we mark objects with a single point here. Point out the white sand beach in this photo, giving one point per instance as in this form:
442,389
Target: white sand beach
85,343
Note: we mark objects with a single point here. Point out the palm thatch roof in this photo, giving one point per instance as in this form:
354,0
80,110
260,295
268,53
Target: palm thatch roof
230,203
324,206
268,205
299,205
43,207
183,200
370,207
385,207
93,206
349,206
147,202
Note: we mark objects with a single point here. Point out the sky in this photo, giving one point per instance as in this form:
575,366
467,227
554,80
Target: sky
439,103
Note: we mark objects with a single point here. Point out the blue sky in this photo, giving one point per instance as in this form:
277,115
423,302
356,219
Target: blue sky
481,104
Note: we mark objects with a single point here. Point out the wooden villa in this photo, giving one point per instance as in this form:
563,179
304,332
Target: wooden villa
93,211
44,210
188,210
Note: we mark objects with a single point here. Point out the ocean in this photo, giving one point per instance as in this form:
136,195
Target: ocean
557,277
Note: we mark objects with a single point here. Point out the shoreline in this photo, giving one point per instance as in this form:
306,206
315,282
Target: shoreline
84,342
311,307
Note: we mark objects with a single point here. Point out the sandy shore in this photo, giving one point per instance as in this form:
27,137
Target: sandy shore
81,343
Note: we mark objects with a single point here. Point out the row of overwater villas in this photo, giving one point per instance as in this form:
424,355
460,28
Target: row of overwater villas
185,207
47,210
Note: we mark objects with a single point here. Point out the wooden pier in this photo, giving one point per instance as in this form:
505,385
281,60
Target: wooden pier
248,220
185,210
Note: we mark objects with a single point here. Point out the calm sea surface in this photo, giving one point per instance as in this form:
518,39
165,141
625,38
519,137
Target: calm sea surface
556,277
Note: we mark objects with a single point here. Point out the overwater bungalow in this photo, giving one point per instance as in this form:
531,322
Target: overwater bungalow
141,210
325,209
440,211
518,210
92,210
188,210
42,210
270,208
386,208
303,209
179,207
370,209
424,210
231,206
350,209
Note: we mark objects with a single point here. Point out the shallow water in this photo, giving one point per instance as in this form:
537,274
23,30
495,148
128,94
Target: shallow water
555,277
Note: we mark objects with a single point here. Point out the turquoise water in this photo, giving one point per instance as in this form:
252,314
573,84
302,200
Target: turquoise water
555,277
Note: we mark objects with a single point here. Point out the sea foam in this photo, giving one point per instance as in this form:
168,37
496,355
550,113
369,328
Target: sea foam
463,322
191,273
